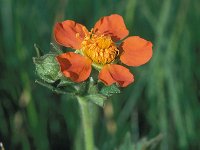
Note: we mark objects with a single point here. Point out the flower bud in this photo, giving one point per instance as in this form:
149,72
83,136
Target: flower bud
47,68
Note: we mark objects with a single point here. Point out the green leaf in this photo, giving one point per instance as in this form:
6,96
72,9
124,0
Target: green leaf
110,90
47,68
98,99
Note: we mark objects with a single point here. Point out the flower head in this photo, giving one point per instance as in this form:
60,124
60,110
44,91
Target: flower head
98,48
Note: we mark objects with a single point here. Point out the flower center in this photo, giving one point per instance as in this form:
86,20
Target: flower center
99,48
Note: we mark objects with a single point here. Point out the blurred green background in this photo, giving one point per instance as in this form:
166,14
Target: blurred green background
165,98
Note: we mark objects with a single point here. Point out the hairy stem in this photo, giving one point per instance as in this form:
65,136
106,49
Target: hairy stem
86,123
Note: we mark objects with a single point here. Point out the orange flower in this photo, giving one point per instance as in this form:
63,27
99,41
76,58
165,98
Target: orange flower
98,48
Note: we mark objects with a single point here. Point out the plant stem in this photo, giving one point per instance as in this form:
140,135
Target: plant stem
86,123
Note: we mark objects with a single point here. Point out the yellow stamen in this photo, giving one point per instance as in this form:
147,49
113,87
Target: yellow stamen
99,48
77,35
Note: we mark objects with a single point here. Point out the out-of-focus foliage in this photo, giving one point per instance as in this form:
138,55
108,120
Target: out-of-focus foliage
163,100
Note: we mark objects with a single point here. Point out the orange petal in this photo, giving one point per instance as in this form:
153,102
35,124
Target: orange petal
75,66
135,51
69,33
112,25
113,73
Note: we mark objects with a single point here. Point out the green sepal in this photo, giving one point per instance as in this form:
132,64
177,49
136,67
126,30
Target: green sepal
98,99
55,50
47,68
92,88
81,88
38,50
65,82
110,90
93,94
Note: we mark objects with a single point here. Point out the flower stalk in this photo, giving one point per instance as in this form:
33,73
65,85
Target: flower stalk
86,123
